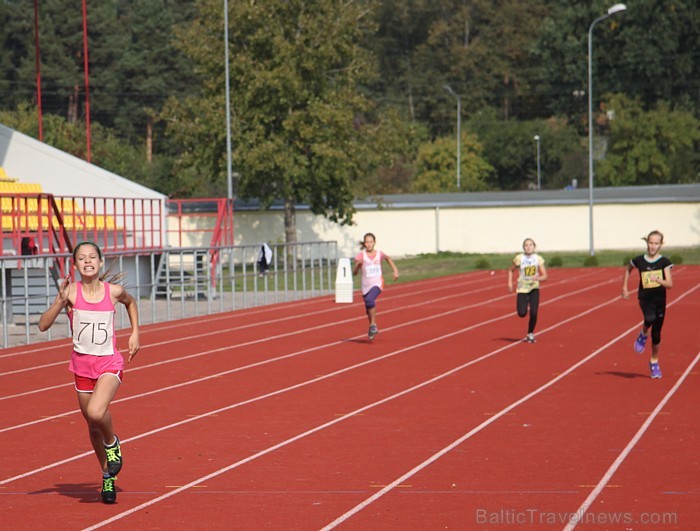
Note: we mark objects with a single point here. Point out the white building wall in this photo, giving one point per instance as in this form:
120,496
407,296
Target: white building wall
406,232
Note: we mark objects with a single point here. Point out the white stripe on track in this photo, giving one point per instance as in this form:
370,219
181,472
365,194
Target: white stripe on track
284,443
238,369
313,380
500,414
285,356
581,511
257,341
236,328
265,323
359,411
246,312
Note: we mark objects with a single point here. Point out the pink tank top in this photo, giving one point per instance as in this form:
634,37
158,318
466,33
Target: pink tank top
94,342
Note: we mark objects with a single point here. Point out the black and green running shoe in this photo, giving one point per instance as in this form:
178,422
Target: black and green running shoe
114,457
109,490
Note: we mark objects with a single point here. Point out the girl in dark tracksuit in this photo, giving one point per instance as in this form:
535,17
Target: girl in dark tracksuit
654,279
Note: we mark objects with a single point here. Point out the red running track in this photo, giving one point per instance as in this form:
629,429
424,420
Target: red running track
286,417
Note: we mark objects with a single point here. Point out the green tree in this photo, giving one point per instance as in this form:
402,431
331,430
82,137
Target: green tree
510,147
151,68
480,48
133,64
12,87
659,146
436,166
390,145
649,51
110,152
298,131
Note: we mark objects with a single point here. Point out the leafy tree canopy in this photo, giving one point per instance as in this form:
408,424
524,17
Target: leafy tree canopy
436,167
301,127
658,146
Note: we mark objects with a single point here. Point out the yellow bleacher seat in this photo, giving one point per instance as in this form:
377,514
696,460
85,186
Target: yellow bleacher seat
25,188
32,222
13,187
66,205
31,204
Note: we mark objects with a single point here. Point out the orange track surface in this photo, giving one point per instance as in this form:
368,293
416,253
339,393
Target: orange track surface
287,417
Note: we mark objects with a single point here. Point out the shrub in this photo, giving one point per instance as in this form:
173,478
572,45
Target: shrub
626,260
556,261
590,261
676,259
482,263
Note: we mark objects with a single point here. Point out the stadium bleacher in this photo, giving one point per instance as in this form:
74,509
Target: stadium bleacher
23,209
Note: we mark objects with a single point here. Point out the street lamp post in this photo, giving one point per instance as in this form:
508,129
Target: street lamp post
459,135
614,9
229,170
537,139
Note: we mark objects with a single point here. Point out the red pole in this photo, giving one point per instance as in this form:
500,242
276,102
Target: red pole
87,82
38,69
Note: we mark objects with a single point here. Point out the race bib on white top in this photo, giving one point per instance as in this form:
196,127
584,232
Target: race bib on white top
92,332
373,270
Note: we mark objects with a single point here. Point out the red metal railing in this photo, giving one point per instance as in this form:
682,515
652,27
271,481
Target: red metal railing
194,221
55,223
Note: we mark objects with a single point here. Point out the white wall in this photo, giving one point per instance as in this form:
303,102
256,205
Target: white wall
405,232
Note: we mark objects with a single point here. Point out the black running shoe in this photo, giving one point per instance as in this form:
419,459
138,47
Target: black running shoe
114,457
109,490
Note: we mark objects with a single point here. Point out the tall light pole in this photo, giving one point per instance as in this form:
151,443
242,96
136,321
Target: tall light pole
459,135
229,172
614,9
537,139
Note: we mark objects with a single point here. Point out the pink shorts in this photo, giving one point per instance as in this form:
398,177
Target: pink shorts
84,384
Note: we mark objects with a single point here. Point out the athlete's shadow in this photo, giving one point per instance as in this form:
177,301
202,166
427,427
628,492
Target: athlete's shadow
84,492
621,374
364,340
510,339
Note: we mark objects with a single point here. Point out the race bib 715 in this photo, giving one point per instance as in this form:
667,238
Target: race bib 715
92,332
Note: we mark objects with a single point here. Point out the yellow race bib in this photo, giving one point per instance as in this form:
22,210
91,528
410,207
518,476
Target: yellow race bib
647,282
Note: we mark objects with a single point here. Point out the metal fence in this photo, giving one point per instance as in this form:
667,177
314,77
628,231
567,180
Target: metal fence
169,284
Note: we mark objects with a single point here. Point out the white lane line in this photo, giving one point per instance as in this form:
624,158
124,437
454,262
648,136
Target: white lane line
321,378
265,323
481,426
279,358
357,412
260,340
236,328
397,291
578,516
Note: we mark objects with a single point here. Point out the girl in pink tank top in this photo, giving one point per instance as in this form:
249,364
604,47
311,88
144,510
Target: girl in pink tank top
369,260
94,342
95,360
